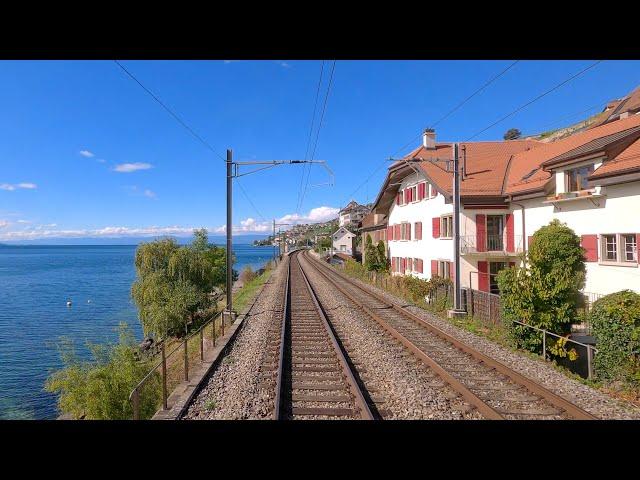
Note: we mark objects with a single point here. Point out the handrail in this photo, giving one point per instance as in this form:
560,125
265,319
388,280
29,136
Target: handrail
134,395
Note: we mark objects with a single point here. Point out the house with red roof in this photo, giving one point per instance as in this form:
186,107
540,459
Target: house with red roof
509,189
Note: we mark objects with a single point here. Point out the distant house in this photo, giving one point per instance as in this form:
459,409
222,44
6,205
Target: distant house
342,241
352,214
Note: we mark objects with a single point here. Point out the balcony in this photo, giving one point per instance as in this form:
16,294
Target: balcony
493,245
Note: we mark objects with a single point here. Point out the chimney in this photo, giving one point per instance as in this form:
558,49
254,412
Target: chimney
429,139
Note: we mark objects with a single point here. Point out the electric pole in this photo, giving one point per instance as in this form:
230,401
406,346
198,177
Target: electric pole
457,304
232,172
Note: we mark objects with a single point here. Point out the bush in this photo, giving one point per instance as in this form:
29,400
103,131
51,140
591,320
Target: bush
615,322
99,389
547,293
247,275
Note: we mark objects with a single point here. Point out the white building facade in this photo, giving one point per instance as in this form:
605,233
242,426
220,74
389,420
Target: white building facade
342,241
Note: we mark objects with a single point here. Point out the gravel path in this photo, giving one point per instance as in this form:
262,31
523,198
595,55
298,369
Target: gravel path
595,402
401,386
233,390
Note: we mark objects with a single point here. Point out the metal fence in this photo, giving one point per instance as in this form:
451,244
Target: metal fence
174,372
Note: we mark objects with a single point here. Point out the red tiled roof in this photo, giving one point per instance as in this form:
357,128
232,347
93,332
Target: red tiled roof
530,162
486,165
626,161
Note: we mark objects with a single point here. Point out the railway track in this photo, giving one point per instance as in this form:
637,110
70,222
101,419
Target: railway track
314,379
495,390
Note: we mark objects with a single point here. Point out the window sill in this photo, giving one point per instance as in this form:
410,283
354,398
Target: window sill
619,264
446,238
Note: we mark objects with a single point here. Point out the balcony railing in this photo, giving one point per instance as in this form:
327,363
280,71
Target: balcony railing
491,244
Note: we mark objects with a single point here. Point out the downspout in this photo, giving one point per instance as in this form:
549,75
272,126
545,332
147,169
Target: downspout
524,230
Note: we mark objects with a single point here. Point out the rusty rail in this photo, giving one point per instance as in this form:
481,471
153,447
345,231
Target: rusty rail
571,409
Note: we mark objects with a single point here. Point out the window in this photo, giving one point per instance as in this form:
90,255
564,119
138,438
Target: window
432,191
576,178
495,227
446,226
620,248
443,269
630,248
400,198
494,268
409,264
405,231
609,248
343,248
414,193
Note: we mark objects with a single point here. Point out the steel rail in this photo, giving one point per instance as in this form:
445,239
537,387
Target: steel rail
285,312
306,294
361,403
571,409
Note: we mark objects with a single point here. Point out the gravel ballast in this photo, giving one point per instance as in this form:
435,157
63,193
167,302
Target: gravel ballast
405,388
593,401
233,390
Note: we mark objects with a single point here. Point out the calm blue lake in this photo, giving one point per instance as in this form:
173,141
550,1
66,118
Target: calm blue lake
35,283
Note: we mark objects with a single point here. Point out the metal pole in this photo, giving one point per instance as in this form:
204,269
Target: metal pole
589,365
186,361
136,405
229,232
273,249
456,228
164,378
544,344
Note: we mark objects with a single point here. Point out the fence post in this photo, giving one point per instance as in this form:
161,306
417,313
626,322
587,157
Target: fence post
589,365
136,405
186,361
202,344
213,332
473,311
164,379
544,344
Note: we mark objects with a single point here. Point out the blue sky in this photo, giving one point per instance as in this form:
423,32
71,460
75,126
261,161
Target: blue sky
84,151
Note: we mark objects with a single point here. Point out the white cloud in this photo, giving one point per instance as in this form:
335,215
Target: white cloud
132,167
86,153
100,160
48,231
24,221
250,225
4,223
11,187
150,194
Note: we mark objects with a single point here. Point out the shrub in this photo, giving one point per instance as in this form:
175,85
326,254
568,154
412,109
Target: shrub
98,389
247,275
547,293
615,322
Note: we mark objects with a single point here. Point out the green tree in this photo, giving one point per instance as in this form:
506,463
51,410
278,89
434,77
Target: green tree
615,322
173,282
546,294
383,265
512,134
99,388
370,254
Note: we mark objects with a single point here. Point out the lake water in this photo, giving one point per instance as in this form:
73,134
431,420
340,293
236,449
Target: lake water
35,283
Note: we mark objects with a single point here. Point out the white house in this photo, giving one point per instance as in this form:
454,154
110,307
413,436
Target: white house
343,241
418,198
589,180
352,214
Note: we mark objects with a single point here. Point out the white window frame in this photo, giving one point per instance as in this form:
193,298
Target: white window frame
401,193
443,231
403,231
414,193
432,191
620,250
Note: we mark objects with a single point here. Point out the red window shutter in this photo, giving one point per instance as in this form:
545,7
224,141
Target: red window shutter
396,232
420,191
390,232
418,229
434,267
420,266
403,265
590,244
435,222
408,227
638,247
452,272
481,233
398,202
483,277
510,236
